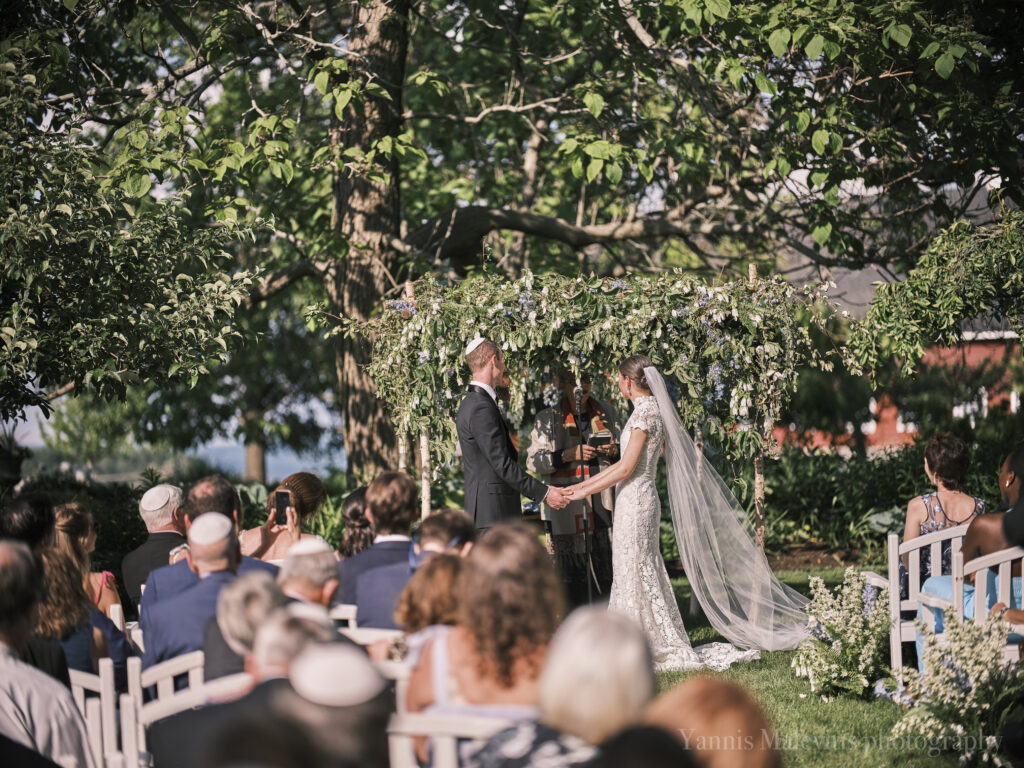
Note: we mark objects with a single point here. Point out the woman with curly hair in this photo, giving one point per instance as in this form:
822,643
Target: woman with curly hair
509,602
358,532
271,541
75,536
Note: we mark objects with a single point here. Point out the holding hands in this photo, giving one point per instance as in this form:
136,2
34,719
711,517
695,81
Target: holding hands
557,497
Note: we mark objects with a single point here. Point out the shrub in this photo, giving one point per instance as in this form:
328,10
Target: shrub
967,692
849,641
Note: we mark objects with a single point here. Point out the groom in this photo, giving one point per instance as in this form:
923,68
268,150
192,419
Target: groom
494,479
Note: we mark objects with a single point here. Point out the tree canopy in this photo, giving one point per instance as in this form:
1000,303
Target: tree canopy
392,139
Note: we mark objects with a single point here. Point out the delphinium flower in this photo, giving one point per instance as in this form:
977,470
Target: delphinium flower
401,306
551,395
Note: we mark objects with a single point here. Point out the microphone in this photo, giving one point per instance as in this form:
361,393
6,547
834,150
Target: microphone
578,392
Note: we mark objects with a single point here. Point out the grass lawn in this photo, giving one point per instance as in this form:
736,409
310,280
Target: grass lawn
811,733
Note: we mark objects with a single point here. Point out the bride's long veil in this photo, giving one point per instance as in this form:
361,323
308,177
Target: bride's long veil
727,570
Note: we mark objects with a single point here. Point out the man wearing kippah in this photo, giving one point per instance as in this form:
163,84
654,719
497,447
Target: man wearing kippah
175,626
495,483
160,509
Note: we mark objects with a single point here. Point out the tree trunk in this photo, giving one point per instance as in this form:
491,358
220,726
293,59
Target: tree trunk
368,216
255,446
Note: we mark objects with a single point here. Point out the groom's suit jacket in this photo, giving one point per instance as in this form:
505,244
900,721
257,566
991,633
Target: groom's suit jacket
494,479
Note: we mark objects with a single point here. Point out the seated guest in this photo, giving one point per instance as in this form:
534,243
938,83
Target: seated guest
35,710
509,603
242,606
391,508
597,679
211,494
342,702
182,739
176,625
377,590
310,573
985,535
643,746
75,536
719,722
160,509
30,519
271,541
357,534
946,461
66,614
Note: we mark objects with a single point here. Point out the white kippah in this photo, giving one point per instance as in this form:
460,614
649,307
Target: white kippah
210,528
309,546
335,675
474,344
156,497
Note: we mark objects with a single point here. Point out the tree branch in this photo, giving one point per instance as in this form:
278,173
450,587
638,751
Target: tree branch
275,283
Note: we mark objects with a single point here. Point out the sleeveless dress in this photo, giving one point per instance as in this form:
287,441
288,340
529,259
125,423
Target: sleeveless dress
640,586
935,520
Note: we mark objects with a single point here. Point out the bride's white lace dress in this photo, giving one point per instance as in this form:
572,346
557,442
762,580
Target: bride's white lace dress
640,586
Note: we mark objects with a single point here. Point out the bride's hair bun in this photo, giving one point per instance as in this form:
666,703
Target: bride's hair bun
633,369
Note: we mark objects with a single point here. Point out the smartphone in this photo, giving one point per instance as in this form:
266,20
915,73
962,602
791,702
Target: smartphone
282,500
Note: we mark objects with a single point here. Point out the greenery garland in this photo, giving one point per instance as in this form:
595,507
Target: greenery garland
730,352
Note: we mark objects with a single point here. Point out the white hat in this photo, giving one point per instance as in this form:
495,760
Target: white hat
157,497
309,546
210,528
474,344
335,675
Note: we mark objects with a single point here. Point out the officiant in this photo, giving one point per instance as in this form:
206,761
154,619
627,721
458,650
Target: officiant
556,454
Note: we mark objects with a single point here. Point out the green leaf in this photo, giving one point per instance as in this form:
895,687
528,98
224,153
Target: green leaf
957,51
764,85
814,46
613,173
70,4
944,65
137,184
341,99
595,103
322,81
778,41
599,149
901,33
929,50
593,168
803,120
819,141
64,208
821,233
818,178
720,8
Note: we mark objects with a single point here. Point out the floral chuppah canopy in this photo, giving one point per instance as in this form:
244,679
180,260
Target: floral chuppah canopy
730,353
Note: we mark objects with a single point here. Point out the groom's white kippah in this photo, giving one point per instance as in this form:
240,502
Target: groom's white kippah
474,344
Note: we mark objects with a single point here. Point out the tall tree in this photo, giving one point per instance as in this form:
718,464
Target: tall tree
390,138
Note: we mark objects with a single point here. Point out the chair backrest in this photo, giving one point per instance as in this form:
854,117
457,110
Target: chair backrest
162,676
933,543
344,612
117,615
1002,563
221,688
444,732
94,729
102,684
366,636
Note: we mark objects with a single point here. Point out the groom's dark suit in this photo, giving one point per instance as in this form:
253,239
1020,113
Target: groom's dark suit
494,479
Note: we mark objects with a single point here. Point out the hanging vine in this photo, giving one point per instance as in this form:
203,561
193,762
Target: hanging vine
730,352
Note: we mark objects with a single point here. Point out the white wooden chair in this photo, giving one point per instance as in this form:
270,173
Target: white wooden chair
344,612
102,684
398,672
444,732
1002,563
117,616
162,676
367,635
902,630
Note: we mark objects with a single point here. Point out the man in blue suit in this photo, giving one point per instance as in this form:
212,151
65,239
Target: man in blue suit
391,508
377,590
211,494
175,625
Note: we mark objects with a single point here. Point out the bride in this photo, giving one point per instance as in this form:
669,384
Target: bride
728,572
